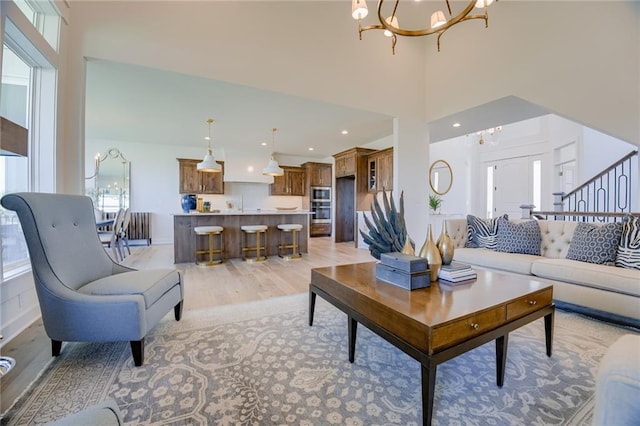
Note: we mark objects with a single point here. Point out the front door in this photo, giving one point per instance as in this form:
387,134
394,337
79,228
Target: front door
511,186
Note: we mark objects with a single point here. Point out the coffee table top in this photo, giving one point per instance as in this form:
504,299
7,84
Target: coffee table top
432,306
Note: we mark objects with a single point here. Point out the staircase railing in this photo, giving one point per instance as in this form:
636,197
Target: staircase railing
606,197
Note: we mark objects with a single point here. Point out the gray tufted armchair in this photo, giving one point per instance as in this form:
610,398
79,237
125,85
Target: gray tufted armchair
84,296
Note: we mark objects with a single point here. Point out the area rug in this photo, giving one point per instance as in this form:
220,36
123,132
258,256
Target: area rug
260,363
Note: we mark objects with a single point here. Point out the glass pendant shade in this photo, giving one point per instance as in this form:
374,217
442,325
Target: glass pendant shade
273,169
359,9
437,19
483,3
208,164
393,21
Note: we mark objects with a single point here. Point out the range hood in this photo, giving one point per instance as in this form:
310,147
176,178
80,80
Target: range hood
244,167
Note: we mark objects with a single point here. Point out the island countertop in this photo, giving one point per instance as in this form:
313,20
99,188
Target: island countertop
185,241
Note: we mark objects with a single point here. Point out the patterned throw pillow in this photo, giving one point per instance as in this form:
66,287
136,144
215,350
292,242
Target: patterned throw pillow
595,244
481,233
628,255
522,237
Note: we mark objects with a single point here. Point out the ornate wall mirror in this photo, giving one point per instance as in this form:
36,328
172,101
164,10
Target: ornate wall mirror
111,190
440,177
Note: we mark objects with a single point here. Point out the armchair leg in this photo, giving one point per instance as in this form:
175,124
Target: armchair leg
137,350
177,310
56,347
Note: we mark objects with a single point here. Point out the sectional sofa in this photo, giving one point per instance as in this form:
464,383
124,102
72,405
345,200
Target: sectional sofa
603,291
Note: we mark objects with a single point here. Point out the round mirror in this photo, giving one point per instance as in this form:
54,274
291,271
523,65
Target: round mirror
440,177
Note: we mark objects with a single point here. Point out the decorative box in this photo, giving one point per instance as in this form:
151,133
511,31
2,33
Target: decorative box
403,270
402,279
404,262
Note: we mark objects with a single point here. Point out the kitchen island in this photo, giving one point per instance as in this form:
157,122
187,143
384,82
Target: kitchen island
184,238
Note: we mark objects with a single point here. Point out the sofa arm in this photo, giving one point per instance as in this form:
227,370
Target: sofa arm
106,413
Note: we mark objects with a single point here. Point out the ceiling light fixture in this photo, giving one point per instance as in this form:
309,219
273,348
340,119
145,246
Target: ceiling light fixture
208,164
345,132
491,132
272,168
439,22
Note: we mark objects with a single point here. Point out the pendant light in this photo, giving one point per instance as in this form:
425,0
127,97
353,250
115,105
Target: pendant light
272,168
209,164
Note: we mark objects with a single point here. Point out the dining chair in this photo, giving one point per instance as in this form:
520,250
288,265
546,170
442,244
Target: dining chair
110,239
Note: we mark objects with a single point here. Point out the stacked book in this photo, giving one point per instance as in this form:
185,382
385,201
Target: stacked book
456,272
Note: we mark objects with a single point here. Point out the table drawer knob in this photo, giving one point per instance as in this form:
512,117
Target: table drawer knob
533,302
474,325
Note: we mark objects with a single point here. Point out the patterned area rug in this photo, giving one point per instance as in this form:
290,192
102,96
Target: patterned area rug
260,363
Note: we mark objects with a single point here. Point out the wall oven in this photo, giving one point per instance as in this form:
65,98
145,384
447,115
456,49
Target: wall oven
321,204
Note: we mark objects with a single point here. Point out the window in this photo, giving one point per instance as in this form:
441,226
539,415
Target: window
537,184
28,98
14,105
489,192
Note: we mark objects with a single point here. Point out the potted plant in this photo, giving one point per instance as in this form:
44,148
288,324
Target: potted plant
435,203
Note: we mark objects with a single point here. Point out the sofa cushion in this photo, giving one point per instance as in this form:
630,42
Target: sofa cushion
523,237
481,233
628,254
151,284
610,278
595,244
512,262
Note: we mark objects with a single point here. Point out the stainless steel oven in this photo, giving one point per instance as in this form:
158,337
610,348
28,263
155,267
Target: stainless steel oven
321,204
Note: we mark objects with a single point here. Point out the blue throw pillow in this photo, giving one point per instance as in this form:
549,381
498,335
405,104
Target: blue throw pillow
595,244
524,237
481,233
628,255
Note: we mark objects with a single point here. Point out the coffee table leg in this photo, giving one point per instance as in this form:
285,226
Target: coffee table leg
353,330
312,306
548,331
428,392
501,358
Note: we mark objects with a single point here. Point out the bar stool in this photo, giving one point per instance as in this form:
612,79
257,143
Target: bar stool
257,230
292,228
210,231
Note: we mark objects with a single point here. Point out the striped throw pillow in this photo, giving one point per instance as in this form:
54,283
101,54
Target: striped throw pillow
628,255
482,233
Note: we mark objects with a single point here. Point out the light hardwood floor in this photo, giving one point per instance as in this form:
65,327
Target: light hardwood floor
232,282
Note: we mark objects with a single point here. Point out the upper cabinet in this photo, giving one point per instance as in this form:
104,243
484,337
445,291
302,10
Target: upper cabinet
194,182
318,174
380,170
347,161
291,183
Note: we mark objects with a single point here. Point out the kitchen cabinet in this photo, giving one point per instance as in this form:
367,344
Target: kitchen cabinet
347,161
194,182
318,174
293,182
380,170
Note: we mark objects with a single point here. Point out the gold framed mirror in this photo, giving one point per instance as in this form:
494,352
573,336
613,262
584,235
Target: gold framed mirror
440,177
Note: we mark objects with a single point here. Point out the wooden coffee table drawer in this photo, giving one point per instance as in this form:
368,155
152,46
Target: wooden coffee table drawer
465,328
529,303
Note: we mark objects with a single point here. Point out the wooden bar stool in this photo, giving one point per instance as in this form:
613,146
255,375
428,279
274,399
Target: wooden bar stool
293,229
211,251
257,230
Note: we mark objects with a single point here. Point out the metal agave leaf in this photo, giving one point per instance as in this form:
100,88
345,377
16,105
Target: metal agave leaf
387,232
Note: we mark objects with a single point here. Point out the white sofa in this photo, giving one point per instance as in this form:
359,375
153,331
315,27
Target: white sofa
605,292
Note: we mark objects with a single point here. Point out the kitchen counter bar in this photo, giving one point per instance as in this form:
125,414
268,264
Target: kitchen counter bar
184,238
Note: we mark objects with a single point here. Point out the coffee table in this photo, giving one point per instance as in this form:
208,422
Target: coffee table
435,324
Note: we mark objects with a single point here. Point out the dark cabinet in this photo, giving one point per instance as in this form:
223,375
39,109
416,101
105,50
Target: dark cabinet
194,182
291,183
380,170
318,174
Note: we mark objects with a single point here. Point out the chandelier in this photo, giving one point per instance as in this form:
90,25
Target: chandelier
491,132
438,25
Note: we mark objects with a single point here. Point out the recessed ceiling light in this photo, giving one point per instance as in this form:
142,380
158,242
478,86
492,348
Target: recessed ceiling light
310,148
456,124
263,144
345,132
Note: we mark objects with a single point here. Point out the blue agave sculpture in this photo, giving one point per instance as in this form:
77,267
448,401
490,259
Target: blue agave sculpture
387,229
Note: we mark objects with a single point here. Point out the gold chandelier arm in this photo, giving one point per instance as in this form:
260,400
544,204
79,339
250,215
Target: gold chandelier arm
427,31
